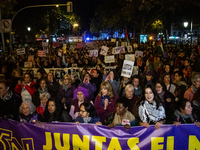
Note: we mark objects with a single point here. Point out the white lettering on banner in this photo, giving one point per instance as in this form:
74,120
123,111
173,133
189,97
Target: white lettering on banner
127,68
109,59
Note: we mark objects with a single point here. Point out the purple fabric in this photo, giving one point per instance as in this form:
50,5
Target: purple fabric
68,95
81,89
91,88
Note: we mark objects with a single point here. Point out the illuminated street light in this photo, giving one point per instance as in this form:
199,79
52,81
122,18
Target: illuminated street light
150,38
57,5
29,28
76,25
185,24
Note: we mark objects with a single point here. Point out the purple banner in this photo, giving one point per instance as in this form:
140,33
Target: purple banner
71,136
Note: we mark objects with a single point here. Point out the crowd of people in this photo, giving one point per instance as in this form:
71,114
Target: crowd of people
164,91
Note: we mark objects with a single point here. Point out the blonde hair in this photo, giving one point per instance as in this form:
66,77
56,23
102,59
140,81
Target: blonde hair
16,70
108,87
69,78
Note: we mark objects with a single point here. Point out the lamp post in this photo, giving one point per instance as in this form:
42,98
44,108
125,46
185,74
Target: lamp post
75,28
185,24
36,6
29,28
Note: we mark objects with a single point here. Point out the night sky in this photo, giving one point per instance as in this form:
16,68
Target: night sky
83,8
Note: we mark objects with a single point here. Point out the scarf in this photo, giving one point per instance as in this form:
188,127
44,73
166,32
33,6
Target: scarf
65,87
179,115
41,91
86,120
7,97
193,88
103,99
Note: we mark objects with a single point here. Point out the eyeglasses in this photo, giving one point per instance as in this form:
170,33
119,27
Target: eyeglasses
82,111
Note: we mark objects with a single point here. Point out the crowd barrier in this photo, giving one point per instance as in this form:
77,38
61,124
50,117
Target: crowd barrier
71,136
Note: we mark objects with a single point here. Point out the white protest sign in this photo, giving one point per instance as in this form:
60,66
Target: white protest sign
135,45
21,51
27,64
135,70
104,50
118,50
93,53
130,57
122,43
130,49
127,68
138,54
113,40
109,59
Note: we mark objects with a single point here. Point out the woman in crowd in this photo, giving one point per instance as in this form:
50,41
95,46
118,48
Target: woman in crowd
168,99
26,87
88,114
53,112
42,89
114,80
105,101
16,75
39,77
75,79
52,82
122,86
195,85
9,102
122,117
129,93
149,78
150,108
91,87
169,86
178,80
27,112
44,97
65,93
81,95
136,85
184,114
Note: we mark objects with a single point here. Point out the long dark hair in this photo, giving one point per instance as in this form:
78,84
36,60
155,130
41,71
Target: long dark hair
90,109
57,115
162,84
156,97
116,77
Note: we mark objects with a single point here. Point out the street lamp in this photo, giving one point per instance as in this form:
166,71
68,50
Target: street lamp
29,28
76,25
185,24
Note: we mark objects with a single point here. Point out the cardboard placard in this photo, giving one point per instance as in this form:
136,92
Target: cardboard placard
41,53
109,59
130,57
104,50
93,53
127,68
130,49
21,51
30,58
27,64
138,54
